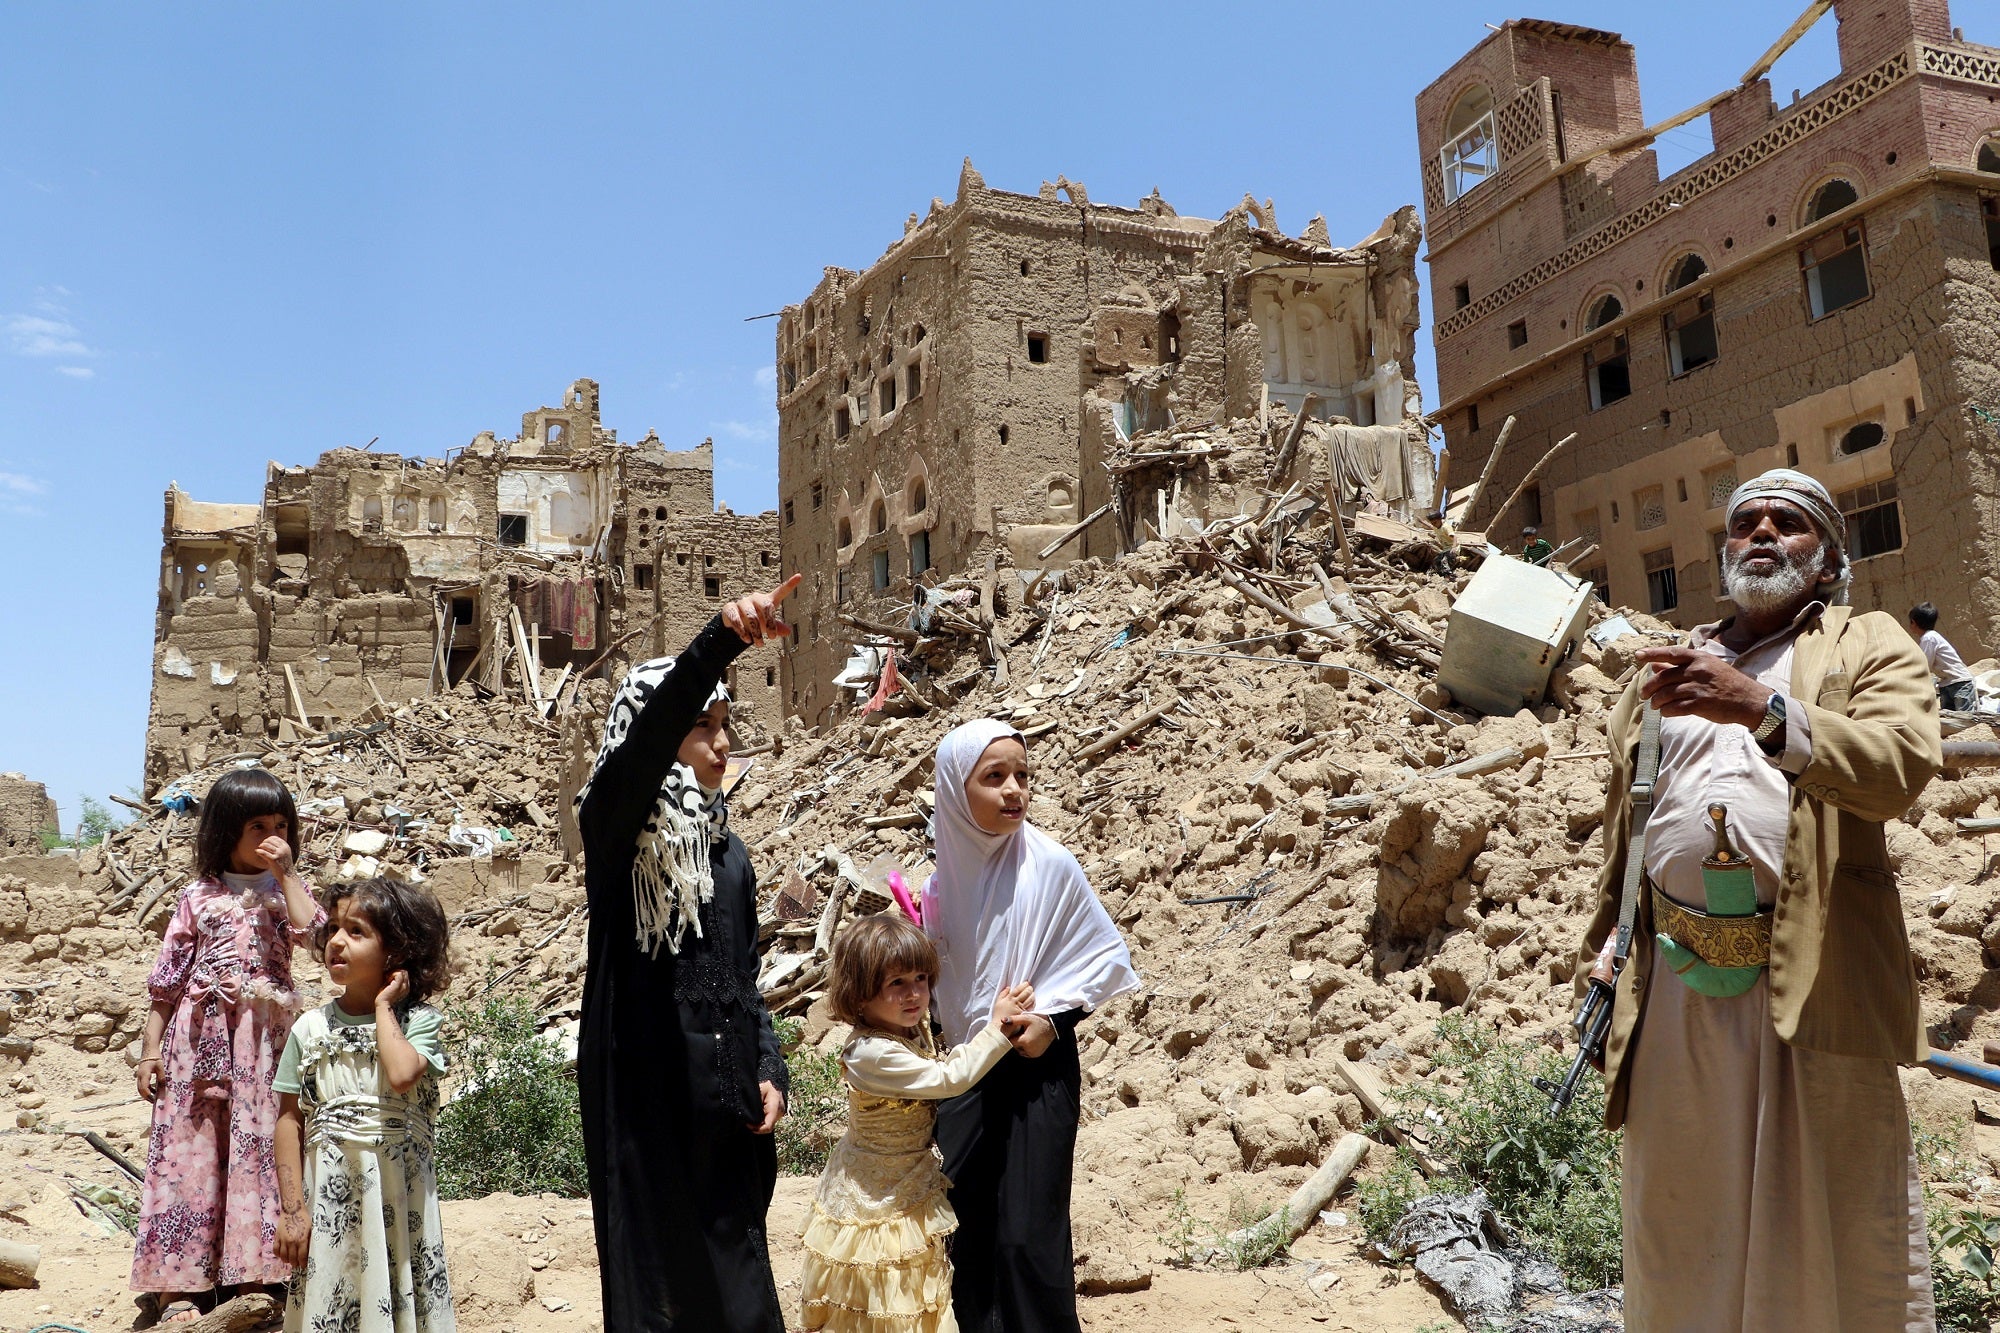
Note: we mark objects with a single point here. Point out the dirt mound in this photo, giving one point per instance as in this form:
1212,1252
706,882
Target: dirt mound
1313,851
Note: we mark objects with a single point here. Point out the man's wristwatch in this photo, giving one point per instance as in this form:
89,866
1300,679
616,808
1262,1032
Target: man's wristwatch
1774,719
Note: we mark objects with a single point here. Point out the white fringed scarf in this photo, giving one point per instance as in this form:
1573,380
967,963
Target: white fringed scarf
672,874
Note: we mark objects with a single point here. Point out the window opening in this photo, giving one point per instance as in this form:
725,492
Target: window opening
1832,197
920,553
845,532
513,529
1003,436
840,588
886,391
1472,418
461,610
840,422
878,518
1989,156
711,587
1607,368
1690,326
1836,269
790,517
1469,156
1864,436
1461,295
1663,592
916,379
1991,207
1038,348
819,494
642,577
770,677
920,498
1517,333
552,433
1874,519
881,570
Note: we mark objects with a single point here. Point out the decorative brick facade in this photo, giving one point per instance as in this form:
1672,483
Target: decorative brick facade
1746,312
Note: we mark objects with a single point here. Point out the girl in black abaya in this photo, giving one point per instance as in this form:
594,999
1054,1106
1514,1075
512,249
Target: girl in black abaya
680,1073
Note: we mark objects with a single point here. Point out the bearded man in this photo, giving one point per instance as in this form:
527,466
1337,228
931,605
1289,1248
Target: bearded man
1769,1182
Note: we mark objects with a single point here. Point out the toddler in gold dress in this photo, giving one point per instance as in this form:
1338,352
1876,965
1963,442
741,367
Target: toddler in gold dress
875,1257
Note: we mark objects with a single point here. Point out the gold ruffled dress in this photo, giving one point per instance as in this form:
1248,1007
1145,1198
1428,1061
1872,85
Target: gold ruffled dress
875,1260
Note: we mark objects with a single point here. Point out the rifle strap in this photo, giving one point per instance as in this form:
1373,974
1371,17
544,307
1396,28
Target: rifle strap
1643,779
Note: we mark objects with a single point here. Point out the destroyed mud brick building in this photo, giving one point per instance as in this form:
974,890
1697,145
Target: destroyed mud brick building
963,398
26,813
367,579
1818,291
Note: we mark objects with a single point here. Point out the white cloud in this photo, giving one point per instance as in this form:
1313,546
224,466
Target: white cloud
76,372
753,432
15,488
766,377
48,331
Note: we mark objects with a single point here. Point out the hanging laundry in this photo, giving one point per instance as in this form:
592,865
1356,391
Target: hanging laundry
890,683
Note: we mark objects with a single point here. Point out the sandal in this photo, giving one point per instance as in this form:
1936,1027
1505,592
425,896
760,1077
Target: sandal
180,1312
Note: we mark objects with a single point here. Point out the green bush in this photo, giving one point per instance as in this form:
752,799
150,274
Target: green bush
514,1126
1964,1278
816,1107
1554,1178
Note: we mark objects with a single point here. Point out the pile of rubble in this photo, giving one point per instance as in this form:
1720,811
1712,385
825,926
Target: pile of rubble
1314,850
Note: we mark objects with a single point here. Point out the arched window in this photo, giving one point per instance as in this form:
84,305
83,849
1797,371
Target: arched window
1469,155
1834,264
371,510
1690,269
878,518
920,498
1690,325
1607,364
1830,199
1989,155
846,531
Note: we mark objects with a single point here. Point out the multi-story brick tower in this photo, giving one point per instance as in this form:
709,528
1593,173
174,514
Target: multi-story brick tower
1817,291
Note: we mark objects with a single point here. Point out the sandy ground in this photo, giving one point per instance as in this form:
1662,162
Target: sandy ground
520,1265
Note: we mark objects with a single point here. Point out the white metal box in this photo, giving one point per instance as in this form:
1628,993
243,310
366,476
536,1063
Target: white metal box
1508,630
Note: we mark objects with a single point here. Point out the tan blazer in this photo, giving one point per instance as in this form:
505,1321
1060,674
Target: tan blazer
1841,978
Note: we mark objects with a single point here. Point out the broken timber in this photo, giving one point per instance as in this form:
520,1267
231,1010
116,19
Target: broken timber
1492,762
1127,729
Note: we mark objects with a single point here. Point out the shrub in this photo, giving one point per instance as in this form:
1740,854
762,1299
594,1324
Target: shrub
815,1108
1964,1279
1554,1178
514,1126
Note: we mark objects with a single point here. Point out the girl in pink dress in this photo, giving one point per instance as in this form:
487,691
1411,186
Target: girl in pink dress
223,1006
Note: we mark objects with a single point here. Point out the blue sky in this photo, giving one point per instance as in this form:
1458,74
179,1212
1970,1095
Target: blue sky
231,233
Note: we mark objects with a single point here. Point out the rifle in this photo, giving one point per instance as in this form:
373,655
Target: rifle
1593,1025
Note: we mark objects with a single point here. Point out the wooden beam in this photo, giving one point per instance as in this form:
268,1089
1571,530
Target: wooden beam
1800,26
1493,519
1499,443
1126,730
1640,138
1073,532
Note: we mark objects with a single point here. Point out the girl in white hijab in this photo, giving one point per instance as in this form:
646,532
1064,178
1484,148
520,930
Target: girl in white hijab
1007,905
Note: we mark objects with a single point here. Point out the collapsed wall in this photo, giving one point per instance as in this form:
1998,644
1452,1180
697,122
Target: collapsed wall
365,579
26,812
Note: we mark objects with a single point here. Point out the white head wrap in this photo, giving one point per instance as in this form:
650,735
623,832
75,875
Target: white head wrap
1010,907
671,874
1812,499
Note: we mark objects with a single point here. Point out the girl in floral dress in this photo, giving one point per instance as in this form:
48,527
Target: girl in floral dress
358,1085
222,1005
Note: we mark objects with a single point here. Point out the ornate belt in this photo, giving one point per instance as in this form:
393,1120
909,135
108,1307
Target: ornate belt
1719,941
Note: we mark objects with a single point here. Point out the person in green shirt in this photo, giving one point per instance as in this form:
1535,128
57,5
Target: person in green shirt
1535,550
